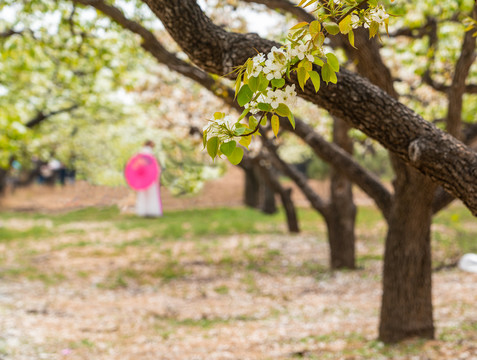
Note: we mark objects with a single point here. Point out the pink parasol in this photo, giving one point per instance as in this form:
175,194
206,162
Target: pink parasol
141,171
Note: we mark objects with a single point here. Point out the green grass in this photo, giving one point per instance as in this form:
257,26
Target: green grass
454,233
205,223
33,233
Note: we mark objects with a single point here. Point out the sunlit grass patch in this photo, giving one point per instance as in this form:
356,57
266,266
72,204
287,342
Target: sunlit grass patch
32,233
176,225
32,273
88,214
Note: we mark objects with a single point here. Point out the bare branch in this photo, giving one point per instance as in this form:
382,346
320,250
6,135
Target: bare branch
10,32
41,116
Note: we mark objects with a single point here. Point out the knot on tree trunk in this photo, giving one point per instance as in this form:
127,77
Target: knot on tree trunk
416,150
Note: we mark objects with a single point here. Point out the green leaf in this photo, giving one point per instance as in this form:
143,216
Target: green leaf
305,63
314,28
204,138
249,64
253,83
228,147
282,110
373,29
245,141
263,122
319,39
278,83
318,61
301,73
263,83
326,72
264,106
345,25
252,122
213,146
332,27
275,121
315,79
299,25
292,119
236,157
244,113
351,38
239,130
238,82
219,115
333,61
244,95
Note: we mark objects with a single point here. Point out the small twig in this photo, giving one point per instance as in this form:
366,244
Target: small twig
325,32
257,127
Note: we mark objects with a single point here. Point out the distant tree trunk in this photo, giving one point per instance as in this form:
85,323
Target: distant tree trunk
406,308
252,186
340,218
268,202
3,181
290,211
271,178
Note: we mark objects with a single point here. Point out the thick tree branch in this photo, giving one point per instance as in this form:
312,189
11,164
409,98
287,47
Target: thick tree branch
41,116
364,106
457,88
10,32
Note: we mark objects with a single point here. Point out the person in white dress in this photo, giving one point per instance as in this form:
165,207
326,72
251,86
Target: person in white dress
148,201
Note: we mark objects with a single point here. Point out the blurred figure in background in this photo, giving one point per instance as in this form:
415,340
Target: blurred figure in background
148,199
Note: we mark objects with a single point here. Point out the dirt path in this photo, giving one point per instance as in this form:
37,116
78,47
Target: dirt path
218,308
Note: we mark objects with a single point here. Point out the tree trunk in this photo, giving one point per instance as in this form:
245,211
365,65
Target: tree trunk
252,185
340,218
270,177
268,203
406,308
3,181
290,211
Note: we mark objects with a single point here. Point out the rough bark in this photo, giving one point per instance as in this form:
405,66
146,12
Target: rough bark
342,210
409,226
406,308
364,106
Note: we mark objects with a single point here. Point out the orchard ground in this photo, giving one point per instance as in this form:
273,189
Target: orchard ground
83,278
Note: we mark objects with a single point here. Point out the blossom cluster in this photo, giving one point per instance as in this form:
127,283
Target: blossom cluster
377,14
261,86
275,64
274,98
224,129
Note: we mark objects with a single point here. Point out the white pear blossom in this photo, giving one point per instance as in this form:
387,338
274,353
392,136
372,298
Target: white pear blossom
378,14
355,21
289,95
274,98
258,61
223,128
275,65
